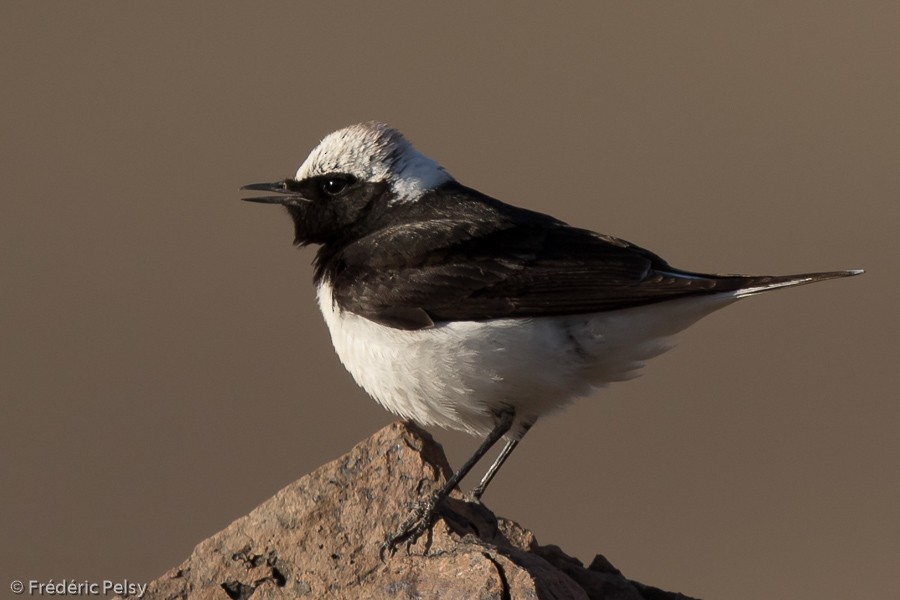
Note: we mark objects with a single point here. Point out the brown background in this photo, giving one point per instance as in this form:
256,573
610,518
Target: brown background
164,366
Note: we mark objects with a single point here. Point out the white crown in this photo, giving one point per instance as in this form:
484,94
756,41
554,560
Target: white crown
374,152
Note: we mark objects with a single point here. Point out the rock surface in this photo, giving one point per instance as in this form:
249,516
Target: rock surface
319,538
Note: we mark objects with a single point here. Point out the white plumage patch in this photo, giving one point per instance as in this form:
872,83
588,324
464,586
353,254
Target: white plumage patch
372,152
460,374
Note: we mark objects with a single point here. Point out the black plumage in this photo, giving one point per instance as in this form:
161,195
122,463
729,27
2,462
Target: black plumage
456,254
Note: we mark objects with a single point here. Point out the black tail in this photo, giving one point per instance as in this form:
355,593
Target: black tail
744,285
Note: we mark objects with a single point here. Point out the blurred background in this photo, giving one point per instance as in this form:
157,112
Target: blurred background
164,367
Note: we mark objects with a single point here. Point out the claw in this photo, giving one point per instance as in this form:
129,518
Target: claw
385,547
411,529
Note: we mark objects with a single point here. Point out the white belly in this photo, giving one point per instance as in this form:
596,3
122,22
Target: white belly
460,374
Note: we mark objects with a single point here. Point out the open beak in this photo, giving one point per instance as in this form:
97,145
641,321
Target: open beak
289,197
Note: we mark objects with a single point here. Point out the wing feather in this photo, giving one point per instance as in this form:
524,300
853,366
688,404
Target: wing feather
435,262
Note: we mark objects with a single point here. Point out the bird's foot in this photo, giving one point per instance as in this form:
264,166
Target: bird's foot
418,522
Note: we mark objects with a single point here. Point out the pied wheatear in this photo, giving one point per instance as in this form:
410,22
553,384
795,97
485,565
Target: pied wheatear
452,308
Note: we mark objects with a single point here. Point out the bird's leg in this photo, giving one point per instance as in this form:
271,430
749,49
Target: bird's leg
478,490
424,512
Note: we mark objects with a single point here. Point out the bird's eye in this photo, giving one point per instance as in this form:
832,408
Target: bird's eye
333,186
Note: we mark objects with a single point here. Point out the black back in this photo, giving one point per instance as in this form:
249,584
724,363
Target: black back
456,254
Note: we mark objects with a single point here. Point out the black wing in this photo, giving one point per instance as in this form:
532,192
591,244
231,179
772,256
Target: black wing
481,259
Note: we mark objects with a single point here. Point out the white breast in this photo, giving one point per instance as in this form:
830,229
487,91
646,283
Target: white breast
460,374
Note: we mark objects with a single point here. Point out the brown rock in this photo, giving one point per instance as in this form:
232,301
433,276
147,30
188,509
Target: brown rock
320,536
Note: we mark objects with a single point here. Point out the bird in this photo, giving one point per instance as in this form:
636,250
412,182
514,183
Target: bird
454,309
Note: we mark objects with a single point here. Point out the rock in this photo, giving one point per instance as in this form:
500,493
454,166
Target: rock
320,536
